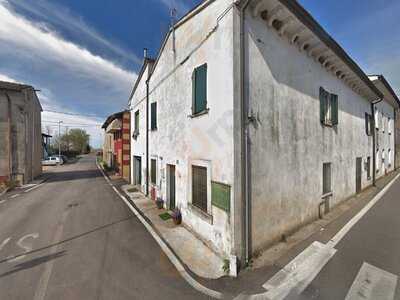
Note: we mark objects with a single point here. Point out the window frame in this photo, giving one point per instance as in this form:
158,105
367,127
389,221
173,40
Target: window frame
325,191
329,108
194,112
153,169
205,215
136,120
153,116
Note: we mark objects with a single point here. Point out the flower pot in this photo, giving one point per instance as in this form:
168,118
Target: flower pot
177,221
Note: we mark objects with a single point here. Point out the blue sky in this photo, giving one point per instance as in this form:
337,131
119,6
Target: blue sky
84,55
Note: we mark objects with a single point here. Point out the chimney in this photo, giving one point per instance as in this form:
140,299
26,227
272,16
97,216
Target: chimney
145,53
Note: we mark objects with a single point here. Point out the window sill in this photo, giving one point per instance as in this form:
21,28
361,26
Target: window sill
204,112
326,195
153,129
201,214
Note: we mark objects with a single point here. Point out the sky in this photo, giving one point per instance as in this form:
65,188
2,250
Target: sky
84,56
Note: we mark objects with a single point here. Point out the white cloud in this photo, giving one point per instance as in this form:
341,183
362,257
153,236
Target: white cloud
47,46
92,125
7,78
62,17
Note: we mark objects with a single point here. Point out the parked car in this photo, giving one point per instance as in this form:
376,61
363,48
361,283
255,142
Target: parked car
63,158
50,161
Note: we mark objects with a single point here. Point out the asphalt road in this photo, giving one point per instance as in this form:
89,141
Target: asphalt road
74,238
373,241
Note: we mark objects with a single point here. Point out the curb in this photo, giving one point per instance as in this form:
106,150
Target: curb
165,247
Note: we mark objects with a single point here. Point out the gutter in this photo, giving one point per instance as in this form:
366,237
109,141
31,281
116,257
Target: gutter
374,141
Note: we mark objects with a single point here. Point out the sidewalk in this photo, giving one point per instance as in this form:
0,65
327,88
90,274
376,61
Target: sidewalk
200,259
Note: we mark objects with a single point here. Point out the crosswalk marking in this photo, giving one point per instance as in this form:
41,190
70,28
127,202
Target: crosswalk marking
372,283
299,273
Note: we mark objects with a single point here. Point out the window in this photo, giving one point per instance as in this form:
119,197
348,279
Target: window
154,116
199,187
136,128
376,119
368,124
328,108
153,169
389,126
368,167
199,90
326,178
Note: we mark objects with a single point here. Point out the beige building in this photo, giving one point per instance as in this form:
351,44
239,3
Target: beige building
21,148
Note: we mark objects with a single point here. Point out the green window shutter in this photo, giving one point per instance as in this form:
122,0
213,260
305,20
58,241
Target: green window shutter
137,122
200,89
153,115
367,123
335,109
322,104
193,91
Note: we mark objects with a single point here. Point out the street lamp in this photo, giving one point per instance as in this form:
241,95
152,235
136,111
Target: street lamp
59,138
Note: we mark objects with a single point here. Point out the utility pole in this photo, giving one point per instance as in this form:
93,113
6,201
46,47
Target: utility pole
59,138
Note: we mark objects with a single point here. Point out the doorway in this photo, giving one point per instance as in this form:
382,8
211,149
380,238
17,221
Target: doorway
358,174
171,186
137,170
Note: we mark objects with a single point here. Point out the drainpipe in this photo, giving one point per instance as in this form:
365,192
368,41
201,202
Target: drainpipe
374,142
147,126
245,139
10,166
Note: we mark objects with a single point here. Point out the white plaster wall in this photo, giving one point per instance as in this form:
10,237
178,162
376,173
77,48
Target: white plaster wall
288,143
138,146
179,139
386,138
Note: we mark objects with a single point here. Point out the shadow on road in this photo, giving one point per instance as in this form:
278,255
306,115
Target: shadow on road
73,175
68,239
33,263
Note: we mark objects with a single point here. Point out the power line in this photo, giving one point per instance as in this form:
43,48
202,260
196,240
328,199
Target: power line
72,114
71,124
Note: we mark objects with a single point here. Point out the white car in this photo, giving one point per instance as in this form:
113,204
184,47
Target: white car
52,161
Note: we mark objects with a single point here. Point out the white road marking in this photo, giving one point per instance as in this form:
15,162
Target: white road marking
5,242
372,283
15,196
41,289
25,245
336,239
299,273
35,187
171,256
2,201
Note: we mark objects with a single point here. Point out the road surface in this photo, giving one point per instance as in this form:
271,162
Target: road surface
74,238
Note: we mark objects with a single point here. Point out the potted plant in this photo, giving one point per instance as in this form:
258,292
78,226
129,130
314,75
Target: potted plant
177,216
159,203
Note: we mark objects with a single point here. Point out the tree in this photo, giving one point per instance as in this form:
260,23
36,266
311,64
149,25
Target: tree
74,141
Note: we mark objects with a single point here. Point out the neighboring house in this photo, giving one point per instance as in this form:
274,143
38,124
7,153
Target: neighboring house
251,120
385,130
116,148
21,148
46,144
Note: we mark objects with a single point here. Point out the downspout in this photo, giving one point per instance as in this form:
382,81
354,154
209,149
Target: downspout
10,166
147,125
374,142
245,139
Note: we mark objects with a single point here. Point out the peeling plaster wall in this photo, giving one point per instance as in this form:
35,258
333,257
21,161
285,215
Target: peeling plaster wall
386,140
26,138
183,141
288,143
